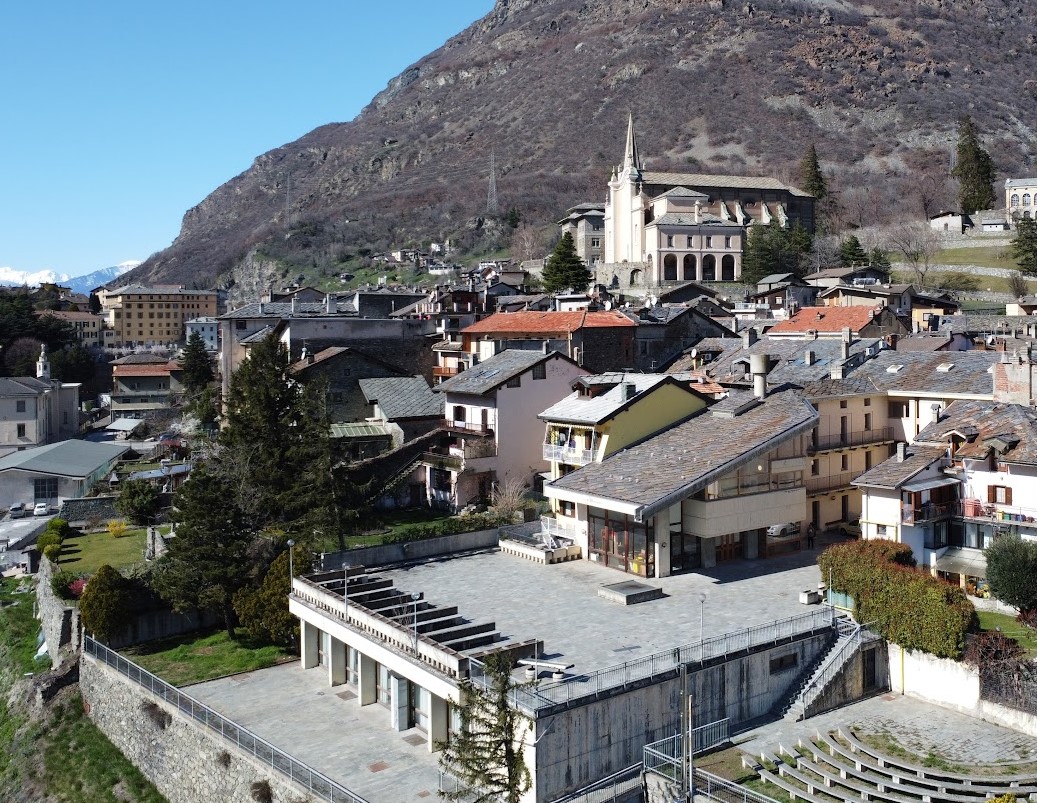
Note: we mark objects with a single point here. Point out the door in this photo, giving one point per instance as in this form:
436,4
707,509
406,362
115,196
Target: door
729,547
815,513
870,680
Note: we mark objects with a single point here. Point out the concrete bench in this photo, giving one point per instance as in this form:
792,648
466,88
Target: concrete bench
795,792
1016,784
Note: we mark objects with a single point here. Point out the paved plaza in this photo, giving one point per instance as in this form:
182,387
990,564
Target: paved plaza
324,727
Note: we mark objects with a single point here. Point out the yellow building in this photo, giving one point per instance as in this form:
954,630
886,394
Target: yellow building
87,325
139,315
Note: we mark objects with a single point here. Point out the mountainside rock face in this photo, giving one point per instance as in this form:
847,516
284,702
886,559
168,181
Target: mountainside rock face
714,86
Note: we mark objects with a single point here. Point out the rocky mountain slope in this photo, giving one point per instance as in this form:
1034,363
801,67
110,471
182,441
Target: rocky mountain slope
714,86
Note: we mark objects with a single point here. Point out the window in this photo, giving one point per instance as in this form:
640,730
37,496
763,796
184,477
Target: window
567,508
515,382
842,404
867,420
239,324
867,460
784,662
880,529
727,242
19,406
867,402
1026,199
669,241
459,413
897,409
999,494
595,242
689,241
21,430
709,241
844,462
1015,199
540,371
815,468
46,488
140,315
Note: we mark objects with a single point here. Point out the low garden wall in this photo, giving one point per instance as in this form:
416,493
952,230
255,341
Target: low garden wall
951,684
409,551
60,621
184,761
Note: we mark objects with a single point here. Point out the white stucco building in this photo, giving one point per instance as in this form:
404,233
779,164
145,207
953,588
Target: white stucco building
1021,198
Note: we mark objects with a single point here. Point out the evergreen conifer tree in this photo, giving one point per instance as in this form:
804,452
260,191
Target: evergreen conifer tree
485,754
974,170
196,365
810,175
564,269
105,603
852,253
1024,245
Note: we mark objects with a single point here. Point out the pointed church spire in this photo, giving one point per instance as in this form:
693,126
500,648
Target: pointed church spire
630,158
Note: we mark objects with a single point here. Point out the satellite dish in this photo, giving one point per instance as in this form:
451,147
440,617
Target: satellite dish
694,353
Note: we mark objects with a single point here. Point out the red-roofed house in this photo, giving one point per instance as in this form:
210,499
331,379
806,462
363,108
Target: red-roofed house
600,341
138,387
863,322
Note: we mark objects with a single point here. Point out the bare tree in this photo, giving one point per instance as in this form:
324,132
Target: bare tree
1017,284
528,242
918,244
507,499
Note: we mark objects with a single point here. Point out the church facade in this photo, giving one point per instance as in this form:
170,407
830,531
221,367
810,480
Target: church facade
664,228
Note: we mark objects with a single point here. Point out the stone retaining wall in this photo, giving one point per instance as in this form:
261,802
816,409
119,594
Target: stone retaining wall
60,621
185,761
410,551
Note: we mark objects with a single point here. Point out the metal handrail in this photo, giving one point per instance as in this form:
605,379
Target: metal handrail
544,695
832,664
716,788
314,781
610,786
857,437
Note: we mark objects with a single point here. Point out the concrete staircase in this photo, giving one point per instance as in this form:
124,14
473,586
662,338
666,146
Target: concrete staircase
825,670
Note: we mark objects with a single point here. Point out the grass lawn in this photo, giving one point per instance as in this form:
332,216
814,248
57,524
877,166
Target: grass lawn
1027,637
996,256
383,524
194,658
87,552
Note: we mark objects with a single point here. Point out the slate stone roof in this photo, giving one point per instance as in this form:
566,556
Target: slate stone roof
283,309
495,371
922,342
893,473
735,182
577,409
787,360
985,324
970,373
22,386
139,359
688,219
162,289
682,460
682,192
402,397
980,422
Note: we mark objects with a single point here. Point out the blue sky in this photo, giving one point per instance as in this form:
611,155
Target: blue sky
118,116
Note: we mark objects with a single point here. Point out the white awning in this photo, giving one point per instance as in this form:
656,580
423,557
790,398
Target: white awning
124,424
929,484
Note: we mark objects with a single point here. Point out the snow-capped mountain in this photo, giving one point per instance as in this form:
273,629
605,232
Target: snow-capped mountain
79,284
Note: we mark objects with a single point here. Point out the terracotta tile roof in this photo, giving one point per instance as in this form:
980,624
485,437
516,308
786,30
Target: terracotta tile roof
147,369
531,321
825,319
69,315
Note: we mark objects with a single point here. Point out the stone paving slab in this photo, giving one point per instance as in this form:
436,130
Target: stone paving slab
916,725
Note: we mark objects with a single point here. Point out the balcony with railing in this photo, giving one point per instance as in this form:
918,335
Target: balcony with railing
469,427
445,371
570,456
977,510
843,440
830,482
930,511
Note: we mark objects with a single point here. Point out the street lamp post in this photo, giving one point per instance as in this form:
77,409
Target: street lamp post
291,561
415,596
702,610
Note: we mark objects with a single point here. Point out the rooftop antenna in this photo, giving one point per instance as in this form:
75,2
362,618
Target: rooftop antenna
491,195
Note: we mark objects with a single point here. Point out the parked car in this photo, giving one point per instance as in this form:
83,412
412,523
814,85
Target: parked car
17,510
41,509
849,529
781,530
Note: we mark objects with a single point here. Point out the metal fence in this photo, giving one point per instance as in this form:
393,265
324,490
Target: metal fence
1009,683
713,787
607,789
316,783
664,756
545,695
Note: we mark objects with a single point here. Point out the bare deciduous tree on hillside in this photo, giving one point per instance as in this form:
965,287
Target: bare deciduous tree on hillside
528,242
918,244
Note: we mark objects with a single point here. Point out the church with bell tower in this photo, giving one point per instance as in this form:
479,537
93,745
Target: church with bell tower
664,228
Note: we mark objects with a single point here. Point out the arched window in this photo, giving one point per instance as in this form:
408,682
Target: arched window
669,268
1015,199
709,268
689,268
635,278
727,268
1026,199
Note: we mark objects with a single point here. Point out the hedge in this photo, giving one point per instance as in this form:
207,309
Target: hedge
903,604
434,529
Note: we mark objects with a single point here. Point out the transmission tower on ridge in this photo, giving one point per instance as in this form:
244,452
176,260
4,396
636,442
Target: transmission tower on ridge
491,195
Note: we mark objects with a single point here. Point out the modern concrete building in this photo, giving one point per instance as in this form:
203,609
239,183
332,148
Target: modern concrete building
139,315
208,329
58,471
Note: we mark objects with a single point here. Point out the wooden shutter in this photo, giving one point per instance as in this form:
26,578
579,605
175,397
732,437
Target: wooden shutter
991,493
1008,495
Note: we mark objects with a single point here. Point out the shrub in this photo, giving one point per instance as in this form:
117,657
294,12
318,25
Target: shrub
1027,617
909,607
105,603
117,528
434,529
47,539
261,792
59,526
159,717
1011,568
51,552
62,583
991,647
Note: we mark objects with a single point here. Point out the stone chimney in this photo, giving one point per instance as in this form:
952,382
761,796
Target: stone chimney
330,304
295,304
749,337
808,357
758,368
901,452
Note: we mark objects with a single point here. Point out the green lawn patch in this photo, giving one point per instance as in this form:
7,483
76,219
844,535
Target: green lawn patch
378,527
1026,636
19,628
193,658
993,256
87,552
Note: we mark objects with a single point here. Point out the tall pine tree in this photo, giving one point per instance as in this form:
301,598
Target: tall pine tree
1024,246
852,253
810,176
196,365
974,170
485,754
564,269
